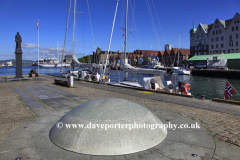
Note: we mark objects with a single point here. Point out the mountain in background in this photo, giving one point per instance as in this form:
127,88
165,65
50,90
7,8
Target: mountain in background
24,62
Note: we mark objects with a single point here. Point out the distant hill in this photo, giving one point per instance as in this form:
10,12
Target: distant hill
24,62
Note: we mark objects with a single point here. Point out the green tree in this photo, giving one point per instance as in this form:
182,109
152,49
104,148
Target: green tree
85,59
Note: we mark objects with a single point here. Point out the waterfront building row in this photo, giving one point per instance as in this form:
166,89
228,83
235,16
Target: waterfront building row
169,57
220,37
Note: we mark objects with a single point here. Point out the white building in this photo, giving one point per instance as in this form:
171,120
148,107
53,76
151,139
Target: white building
233,33
217,37
220,37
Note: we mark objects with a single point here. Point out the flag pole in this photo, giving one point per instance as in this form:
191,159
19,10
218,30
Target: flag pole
233,87
38,45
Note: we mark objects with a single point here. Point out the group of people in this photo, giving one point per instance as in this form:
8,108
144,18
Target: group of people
94,76
33,71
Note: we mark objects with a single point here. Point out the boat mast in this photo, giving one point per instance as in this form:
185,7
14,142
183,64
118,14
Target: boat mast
74,13
43,54
57,50
50,52
125,32
65,36
178,48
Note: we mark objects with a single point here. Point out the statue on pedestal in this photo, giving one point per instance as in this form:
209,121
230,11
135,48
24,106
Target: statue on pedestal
18,56
18,40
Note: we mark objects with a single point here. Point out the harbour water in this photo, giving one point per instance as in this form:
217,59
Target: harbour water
208,86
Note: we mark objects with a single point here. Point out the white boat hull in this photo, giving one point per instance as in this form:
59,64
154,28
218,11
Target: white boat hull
181,71
46,65
131,69
64,65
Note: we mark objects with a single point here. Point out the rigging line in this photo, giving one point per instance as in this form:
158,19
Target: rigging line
132,23
83,27
111,37
158,21
122,13
136,27
64,48
153,24
91,24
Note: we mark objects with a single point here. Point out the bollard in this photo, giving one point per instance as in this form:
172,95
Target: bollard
70,81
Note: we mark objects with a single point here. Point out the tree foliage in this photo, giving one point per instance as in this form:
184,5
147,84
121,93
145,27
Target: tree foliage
85,59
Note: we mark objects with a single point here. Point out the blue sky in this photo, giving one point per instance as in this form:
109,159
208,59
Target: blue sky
174,16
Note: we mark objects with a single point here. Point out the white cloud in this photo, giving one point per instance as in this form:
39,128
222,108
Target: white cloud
8,55
29,45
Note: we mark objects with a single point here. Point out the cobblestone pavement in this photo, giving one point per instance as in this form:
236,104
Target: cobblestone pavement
222,126
13,111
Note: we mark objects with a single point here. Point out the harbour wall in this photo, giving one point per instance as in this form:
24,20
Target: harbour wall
220,73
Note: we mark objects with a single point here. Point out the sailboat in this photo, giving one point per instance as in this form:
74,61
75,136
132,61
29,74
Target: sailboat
130,69
50,62
178,70
148,82
75,62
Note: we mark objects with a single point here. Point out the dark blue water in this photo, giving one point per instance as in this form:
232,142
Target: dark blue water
208,86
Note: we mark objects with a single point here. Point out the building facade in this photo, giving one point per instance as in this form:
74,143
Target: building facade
143,57
199,39
233,33
221,37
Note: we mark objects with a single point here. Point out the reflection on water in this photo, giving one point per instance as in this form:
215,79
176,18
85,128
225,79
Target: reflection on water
207,86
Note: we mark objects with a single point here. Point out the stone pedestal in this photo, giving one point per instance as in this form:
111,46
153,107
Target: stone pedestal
18,58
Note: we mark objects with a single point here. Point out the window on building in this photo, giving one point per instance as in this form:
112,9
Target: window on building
222,45
200,41
216,31
199,53
216,45
229,51
238,21
236,36
223,51
220,31
236,50
202,35
211,39
195,42
216,39
212,47
213,32
221,38
191,34
195,48
205,47
204,53
235,22
232,28
230,37
230,44
232,50
210,52
197,35
236,28
237,43
205,41
199,47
